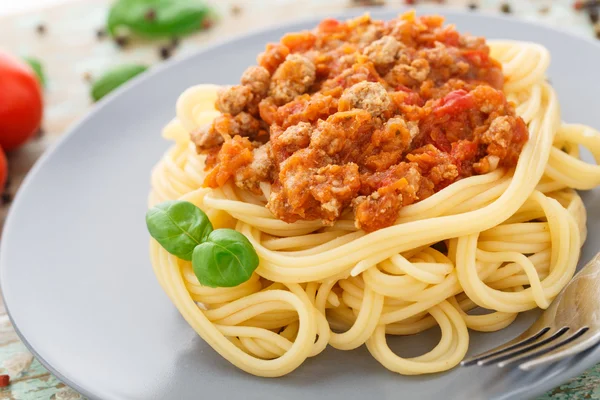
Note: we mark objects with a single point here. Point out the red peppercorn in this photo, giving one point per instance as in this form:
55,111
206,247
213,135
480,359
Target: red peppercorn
207,23
150,15
4,380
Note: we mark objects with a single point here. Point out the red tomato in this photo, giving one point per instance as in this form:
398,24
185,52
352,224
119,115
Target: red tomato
3,171
21,102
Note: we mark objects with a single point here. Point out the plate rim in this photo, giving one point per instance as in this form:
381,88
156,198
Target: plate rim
449,12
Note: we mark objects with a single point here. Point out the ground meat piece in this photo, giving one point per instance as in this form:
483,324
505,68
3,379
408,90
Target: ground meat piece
498,133
305,108
486,164
443,174
294,138
441,56
472,42
407,130
363,70
419,69
292,78
236,153
464,153
417,187
291,197
267,110
368,35
257,79
391,141
305,190
346,61
378,211
233,99
408,74
249,126
505,139
259,170
436,165
383,52
242,124
205,138
334,187
296,135
369,96
341,135
392,180
253,106
274,54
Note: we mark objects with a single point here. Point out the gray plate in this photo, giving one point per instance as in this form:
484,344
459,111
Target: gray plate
80,290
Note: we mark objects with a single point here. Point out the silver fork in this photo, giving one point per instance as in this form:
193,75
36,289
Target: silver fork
569,326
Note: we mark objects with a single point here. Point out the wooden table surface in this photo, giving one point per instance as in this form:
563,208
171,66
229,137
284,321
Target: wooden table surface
73,54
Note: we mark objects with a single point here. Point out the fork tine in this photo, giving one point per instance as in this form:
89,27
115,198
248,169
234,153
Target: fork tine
519,341
579,344
541,350
543,340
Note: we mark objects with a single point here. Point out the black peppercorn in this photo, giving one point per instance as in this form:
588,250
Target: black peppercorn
593,14
165,52
100,33
6,198
122,41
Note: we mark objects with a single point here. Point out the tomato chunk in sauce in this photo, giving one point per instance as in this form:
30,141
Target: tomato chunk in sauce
365,116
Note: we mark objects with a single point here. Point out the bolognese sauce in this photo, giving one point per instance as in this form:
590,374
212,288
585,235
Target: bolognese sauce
362,115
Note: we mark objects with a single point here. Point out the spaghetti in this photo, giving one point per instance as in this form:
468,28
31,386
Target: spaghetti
511,241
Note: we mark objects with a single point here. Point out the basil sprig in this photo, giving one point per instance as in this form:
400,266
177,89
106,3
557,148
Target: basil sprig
179,226
220,258
225,259
157,18
114,78
36,66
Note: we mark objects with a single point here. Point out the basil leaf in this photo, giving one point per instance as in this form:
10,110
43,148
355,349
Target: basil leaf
36,66
179,226
157,18
226,259
115,78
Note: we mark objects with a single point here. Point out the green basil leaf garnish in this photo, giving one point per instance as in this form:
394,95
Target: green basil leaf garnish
115,78
220,258
179,226
157,18
36,66
225,259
